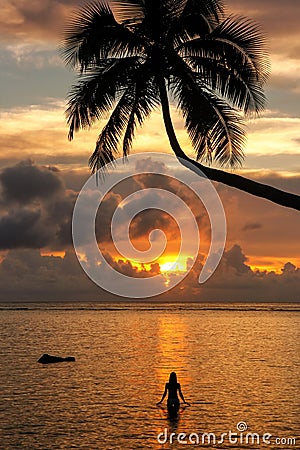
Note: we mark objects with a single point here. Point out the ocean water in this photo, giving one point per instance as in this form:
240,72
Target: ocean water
238,366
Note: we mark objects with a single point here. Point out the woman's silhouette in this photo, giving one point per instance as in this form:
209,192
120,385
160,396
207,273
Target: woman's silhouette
172,387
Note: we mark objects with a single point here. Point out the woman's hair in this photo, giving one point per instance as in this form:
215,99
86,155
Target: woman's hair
173,378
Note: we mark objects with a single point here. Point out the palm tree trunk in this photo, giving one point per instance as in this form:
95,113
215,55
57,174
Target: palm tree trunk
244,184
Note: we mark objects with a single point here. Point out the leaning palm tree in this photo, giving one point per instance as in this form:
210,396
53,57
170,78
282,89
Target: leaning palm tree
144,53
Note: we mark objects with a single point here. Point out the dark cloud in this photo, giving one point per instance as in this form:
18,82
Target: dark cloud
147,164
75,179
23,228
104,216
36,208
128,269
25,275
236,259
252,226
39,194
43,221
290,269
59,215
152,219
146,221
234,281
26,182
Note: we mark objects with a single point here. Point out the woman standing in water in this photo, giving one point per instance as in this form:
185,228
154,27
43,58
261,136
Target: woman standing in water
172,387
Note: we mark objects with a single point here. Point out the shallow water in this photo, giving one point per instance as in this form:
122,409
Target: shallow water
235,363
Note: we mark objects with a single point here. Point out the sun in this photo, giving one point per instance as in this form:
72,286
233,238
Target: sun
173,265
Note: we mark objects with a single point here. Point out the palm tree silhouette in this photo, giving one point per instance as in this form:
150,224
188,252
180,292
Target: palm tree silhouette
214,67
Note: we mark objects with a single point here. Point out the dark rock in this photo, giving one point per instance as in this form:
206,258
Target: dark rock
49,359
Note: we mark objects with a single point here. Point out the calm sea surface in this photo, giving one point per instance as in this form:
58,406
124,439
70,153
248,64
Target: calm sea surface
235,363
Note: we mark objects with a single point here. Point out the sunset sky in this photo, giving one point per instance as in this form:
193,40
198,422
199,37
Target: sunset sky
42,173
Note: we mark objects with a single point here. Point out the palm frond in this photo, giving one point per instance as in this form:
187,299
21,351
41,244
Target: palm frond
187,27
240,35
130,12
107,144
213,10
95,93
93,34
214,127
237,84
146,99
158,17
232,60
197,18
133,108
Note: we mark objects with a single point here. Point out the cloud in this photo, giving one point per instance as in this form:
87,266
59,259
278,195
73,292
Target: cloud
149,220
236,259
37,55
289,182
273,137
25,275
280,20
252,226
32,31
37,203
274,229
239,283
235,281
128,269
34,20
23,228
36,208
25,182
143,222
148,164
283,163
104,216
39,132
47,196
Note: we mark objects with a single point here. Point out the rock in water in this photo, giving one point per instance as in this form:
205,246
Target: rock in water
49,359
